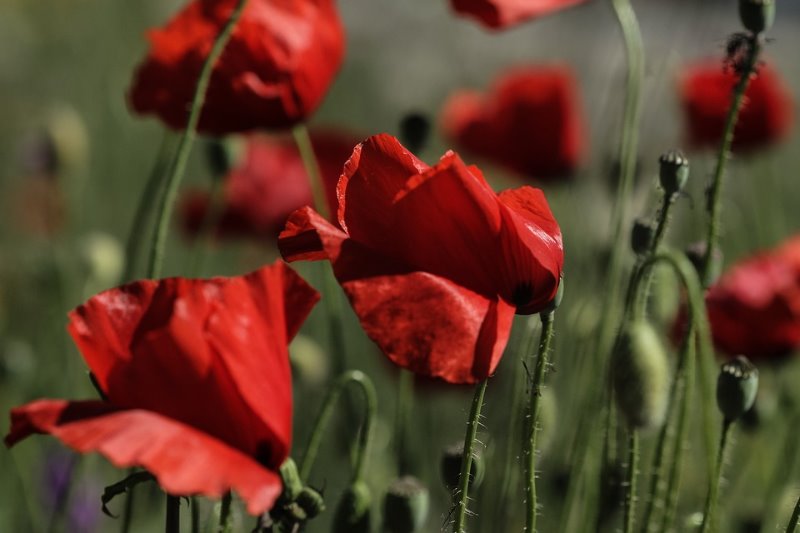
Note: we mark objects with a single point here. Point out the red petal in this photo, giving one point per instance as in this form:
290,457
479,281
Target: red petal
501,14
184,460
209,353
432,326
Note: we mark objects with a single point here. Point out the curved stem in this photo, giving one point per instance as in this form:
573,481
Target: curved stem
713,489
178,165
633,467
466,461
370,401
794,519
533,419
173,522
714,203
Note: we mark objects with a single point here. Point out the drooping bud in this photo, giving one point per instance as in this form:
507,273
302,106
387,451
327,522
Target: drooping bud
292,484
406,505
757,15
353,512
642,235
641,375
673,171
451,467
737,386
414,131
311,502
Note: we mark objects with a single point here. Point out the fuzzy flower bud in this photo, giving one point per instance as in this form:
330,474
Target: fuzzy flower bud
353,511
405,507
451,467
642,235
673,171
737,386
757,15
641,376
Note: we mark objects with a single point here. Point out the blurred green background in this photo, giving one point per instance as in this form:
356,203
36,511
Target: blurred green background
69,63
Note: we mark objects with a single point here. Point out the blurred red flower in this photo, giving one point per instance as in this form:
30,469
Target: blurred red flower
268,185
274,72
754,309
706,90
501,14
196,375
530,121
433,261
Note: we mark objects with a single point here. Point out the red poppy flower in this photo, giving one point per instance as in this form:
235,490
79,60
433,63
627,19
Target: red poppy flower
530,122
501,14
754,309
274,72
433,262
269,184
706,90
197,377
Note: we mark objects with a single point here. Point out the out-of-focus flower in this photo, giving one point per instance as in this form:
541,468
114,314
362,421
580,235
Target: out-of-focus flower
501,14
530,121
268,185
197,377
706,91
433,261
754,308
274,72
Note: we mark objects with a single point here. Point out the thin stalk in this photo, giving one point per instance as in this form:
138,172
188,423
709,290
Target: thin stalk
127,511
225,513
147,201
466,461
529,452
178,166
633,467
795,517
709,514
662,222
323,417
688,356
405,401
173,522
194,506
714,194
303,141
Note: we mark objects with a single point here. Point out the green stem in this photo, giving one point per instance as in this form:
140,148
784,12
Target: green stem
709,518
405,400
795,517
146,203
633,467
466,461
370,401
661,228
173,522
533,419
178,165
225,513
686,370
306,149
714,193
127,511
194,506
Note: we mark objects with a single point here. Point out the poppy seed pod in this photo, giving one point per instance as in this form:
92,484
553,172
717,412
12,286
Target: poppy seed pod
642,235
353,511
451,467
405,506
641,375
673,171
757,15
311,502
737,386
292,484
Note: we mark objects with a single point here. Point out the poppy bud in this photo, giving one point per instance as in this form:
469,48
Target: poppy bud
642,236
757,15
353,511
414,131
696,253
641,375
292,485
673,171
405,507
556,301
451,467
311,502
736,387
221,155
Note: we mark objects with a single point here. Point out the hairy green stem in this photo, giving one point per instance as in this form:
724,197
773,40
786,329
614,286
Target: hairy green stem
714,193
630,493
529,450
178,166
709,514
363,382
466,462
795,517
